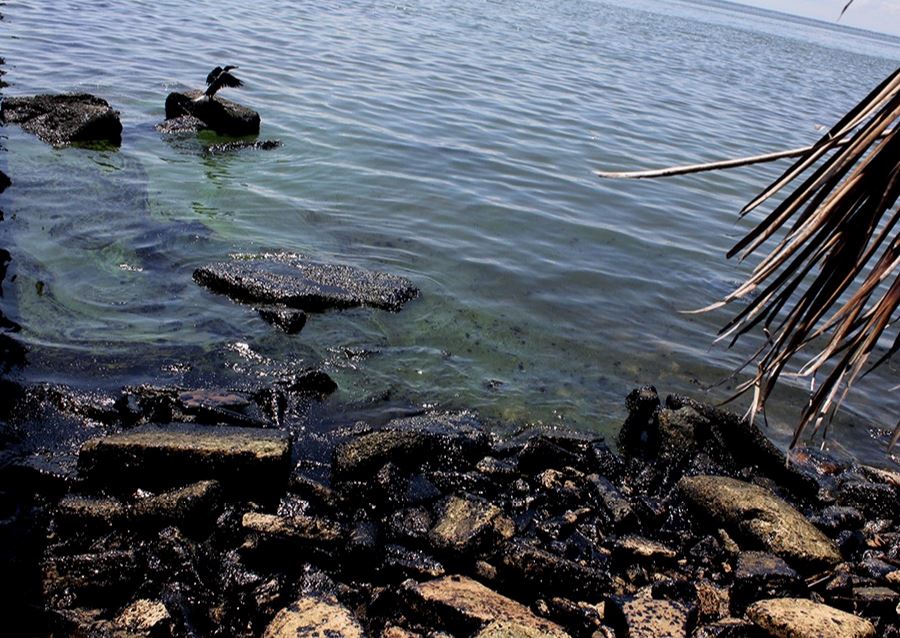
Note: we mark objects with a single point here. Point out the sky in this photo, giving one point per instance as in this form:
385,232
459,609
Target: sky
874,15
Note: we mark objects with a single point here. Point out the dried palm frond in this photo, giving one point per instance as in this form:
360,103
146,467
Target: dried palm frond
838,231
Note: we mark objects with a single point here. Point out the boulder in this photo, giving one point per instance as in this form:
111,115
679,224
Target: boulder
759,518
465,606
222,116
801,618
64,119
246,460
314,617
297,282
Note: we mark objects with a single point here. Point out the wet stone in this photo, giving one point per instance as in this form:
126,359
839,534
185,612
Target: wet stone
613,502
446,441
222,116
242,145
730,628
64,119
531,568
836,518
760,518
875,500
90,578
801,618
759,576
465,606
246,460
411,523
301,283
402,562
875,601
314,617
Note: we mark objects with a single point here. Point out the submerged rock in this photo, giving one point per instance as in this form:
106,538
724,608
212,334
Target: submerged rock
243,459
64,119
297,282
222,116
230,147
289,320
801,618
759,517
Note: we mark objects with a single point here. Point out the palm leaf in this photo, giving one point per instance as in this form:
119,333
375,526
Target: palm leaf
832,267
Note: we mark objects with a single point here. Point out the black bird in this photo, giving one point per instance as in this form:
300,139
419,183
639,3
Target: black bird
219,78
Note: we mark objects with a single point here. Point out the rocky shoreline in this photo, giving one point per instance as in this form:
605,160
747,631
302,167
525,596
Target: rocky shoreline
186,512
197,513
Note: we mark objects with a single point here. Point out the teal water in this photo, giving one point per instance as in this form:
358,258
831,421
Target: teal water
450,142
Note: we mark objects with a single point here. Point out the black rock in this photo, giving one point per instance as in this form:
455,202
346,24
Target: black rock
875,500
760,575
613,502
297,282
836,518
534,570
5,183
64,119
639,433
222,116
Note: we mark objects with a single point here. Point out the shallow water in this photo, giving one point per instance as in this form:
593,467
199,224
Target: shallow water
451,142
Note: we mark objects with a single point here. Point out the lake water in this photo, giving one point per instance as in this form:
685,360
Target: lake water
450,142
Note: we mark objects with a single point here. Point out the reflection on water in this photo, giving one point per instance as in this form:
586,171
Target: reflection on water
452,143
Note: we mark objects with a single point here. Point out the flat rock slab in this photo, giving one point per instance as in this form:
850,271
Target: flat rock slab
464,606
243,459
222,116
801,618
297,282
314,617
757,516
64,119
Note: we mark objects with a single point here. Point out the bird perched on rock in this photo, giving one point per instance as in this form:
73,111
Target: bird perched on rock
219,78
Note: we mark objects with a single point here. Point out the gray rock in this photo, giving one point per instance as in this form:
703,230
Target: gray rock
64,119
222,116
801,618
297,282
181,124
761,519
448,441
314,617
465,606
246,460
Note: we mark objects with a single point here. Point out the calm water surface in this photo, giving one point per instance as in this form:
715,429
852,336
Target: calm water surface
451,142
